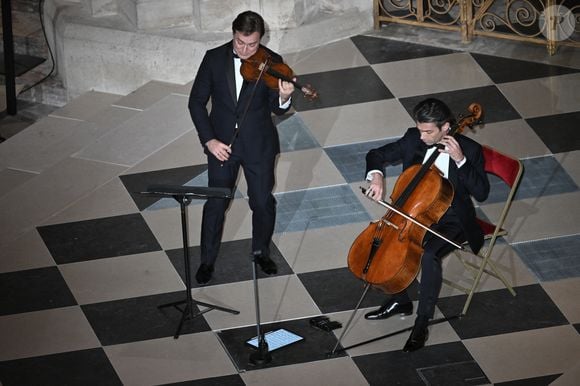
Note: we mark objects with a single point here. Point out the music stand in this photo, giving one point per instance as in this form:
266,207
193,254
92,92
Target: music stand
184,195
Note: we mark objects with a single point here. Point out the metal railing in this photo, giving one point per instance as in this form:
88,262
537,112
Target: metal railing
552,23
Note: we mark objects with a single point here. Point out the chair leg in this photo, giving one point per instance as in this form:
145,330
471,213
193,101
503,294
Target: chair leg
486,262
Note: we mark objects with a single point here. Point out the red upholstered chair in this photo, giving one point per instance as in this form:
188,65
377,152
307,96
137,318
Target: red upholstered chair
510,171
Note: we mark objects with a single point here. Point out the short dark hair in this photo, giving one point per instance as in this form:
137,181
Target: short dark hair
433,110
249,22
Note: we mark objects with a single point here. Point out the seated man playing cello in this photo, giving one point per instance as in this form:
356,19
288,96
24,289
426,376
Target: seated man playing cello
461,162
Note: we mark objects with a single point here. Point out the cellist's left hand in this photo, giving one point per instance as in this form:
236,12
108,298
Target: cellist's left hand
452,148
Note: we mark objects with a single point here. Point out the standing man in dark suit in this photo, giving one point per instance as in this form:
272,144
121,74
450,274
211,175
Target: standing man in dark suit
244,108
461,162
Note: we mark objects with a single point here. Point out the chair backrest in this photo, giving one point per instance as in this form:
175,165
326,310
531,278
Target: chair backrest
510,171
505,167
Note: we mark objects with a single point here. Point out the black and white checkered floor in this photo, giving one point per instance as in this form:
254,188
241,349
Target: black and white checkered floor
86,261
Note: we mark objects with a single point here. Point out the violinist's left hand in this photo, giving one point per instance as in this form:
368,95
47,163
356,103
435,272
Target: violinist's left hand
285,89
452,148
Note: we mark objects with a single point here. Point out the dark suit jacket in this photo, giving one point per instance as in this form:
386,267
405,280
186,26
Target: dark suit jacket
468,181
258,138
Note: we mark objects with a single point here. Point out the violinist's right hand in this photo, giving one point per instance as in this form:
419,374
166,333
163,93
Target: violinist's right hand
220,150
376,187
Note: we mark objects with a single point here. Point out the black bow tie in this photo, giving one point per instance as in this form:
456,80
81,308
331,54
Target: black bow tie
236,56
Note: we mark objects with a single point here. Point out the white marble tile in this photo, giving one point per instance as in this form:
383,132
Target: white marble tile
506,261
32,149
526,354
544,96
54,138
432,75
281,298
143,134
111,117
357,123
45,332
35,201
11,179
317,249
168,360
166,224
305,169
110,199
183,151
334,56
25,252
538,218
148,94
514,138
121,277
87,105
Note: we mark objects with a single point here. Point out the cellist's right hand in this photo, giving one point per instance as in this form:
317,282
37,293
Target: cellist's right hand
376,187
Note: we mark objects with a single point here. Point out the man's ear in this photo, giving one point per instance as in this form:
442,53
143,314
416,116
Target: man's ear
446,127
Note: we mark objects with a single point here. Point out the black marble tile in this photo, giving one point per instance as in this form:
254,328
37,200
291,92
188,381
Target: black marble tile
315,345
138,182
294,134
336,290
100,238
343,87
496,108
33,290
82,368
443,364
318,208
501,70
233,263
544,176
381,50
351,162
551,259
535,381
141,318
498,312
559,132
226,380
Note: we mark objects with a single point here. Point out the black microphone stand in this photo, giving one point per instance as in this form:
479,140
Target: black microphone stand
262,356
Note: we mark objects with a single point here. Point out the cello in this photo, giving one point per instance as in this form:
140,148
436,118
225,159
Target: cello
387,254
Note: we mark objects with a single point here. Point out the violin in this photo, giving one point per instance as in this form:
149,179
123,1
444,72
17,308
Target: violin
262,66
387,254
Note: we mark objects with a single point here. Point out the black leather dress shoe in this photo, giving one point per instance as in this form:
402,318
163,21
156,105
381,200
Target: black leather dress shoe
266,264
417,339
203,274
389,309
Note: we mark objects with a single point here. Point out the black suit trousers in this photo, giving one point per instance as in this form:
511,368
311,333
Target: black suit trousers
260,179
435,249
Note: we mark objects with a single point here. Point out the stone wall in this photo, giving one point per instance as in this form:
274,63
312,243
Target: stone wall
119,45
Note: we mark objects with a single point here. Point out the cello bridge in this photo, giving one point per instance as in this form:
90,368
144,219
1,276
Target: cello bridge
390,223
